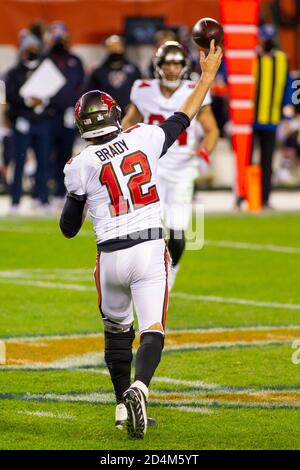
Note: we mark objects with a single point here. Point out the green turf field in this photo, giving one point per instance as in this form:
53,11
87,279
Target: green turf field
226,379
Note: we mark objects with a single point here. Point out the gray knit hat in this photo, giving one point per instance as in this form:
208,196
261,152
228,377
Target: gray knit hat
28,41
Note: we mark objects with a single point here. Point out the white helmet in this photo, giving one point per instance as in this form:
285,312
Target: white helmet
170,52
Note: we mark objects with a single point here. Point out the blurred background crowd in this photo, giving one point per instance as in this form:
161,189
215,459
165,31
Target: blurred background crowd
39,135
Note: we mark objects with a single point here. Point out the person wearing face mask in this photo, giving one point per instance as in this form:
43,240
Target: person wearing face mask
63,130
273,96
116,75
30,119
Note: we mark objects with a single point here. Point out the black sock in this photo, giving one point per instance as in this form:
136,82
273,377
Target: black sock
118,357
148,356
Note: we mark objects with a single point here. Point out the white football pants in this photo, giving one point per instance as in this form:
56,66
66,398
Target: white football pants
136,275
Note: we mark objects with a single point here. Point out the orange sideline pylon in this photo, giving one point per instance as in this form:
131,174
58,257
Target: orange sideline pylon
254,191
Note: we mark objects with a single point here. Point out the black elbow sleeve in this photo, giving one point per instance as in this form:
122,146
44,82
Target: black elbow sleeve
71,217
68,228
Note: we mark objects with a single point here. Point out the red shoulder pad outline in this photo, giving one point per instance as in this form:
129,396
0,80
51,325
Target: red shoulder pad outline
144,83
131,129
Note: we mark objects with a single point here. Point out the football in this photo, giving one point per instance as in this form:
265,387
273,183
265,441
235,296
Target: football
205,30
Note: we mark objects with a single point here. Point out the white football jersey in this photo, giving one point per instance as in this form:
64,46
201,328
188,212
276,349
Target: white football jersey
118,179
155,108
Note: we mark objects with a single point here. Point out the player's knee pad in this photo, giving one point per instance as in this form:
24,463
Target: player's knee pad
118,350
176,245
114,327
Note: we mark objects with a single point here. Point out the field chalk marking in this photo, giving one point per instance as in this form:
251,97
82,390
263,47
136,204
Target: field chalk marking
46,414
252,246
2,353
179,295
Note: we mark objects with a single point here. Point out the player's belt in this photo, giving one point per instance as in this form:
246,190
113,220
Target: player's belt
131,239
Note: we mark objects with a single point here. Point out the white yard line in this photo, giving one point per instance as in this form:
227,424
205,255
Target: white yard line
192,409
80,397
178,295
234,300
96,359
215,243
252,246
46,414
169,380
31,276
186,383
67,363
183,399
44,271
228,344
21,339
30,338
48,285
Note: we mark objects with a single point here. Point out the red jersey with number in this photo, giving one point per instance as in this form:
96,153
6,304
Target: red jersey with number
118,179
155,108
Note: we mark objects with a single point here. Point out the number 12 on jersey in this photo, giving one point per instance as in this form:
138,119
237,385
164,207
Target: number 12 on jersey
119,205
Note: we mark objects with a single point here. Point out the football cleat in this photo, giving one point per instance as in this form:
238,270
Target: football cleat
121,417
135,402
